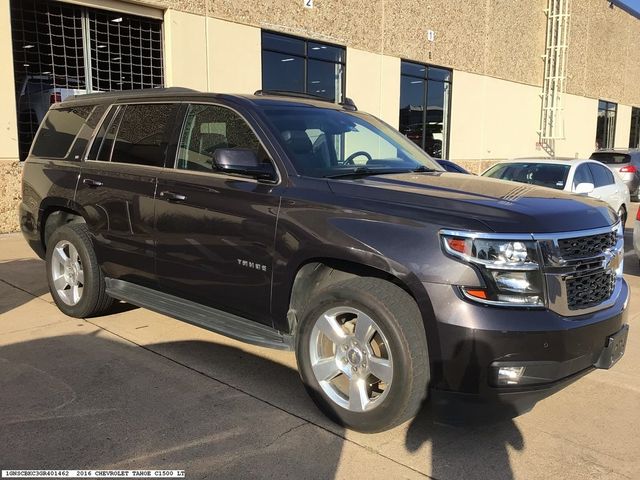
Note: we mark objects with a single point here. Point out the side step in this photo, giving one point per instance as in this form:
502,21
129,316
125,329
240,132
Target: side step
209,318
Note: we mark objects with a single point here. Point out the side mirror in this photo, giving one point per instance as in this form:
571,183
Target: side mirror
244,162
584,188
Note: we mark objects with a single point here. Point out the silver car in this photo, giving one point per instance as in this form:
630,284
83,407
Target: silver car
626,163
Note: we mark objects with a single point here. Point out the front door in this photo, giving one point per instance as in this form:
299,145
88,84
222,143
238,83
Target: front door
117,187
215,231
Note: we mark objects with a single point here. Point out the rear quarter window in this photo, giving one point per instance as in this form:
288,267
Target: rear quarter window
59,130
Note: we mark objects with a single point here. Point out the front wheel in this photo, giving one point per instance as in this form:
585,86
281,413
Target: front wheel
362,354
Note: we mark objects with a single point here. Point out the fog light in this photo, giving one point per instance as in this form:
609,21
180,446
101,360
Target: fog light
510,375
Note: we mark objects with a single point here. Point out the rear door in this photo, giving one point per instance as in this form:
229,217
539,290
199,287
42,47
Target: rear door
118,184
215,231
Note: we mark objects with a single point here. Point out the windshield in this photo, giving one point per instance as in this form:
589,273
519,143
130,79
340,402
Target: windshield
323,142
543,174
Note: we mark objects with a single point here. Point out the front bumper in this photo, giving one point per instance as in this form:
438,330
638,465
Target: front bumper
471,339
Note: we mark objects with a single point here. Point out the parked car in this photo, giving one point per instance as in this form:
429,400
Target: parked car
450,166
35,94
626,163
309,226
585,177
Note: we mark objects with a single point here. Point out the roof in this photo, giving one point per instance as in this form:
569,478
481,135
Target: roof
263,99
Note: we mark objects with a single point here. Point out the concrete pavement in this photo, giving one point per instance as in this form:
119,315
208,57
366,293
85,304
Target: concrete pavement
135,389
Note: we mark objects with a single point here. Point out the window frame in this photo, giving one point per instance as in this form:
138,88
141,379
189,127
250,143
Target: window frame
116,107
425,96
608,107
182,122
635,128
305,58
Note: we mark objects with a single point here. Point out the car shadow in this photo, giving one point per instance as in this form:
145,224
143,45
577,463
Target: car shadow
96,403
20,281
468,438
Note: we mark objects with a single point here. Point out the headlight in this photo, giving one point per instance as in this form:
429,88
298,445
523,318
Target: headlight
510,268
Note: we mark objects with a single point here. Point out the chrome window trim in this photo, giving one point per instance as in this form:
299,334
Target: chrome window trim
529,236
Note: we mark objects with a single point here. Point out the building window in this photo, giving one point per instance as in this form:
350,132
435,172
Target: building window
425,98
606,130
634,136
297,65
61,49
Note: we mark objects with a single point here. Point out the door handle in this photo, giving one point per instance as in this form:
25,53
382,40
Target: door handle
173,196
92,183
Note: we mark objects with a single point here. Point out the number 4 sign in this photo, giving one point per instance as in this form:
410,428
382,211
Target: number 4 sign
308,3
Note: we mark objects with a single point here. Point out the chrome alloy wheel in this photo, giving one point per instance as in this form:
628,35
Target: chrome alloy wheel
351,359
67,273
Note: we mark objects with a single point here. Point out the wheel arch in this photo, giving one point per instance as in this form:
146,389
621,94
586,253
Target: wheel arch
53,214
316,273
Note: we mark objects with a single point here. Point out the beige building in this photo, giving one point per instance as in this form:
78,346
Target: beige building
473,81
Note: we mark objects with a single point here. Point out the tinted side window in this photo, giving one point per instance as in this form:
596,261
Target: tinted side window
602,176
58,131
142,135
83,137
209,127
103,142
582,175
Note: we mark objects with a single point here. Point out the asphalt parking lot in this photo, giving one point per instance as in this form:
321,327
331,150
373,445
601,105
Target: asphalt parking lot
135,389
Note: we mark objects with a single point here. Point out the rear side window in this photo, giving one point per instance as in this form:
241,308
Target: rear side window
58,131
83,137
103,142
142,135
602,176
611,158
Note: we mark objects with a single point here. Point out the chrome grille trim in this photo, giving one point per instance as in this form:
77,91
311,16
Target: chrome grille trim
594,253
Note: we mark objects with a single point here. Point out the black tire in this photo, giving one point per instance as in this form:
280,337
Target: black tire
622,214
94,300
398,316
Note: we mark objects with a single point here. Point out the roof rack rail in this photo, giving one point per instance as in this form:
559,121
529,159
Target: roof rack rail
134,92
347,103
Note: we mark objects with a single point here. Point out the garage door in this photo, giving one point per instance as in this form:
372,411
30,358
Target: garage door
61,49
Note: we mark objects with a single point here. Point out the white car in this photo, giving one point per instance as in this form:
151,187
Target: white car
584,177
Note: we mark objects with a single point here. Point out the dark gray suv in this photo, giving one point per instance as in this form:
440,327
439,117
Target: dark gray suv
293,223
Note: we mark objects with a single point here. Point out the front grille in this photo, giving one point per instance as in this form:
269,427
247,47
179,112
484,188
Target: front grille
590,290
585,247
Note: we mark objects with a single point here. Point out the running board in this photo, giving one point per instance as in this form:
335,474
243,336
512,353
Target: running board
209,318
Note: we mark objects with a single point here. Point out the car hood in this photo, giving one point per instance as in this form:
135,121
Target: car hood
502,206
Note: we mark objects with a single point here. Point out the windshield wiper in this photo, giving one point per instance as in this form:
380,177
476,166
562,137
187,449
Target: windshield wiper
422,168
365,171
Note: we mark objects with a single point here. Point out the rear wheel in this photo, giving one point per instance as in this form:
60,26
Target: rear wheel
75,280
362,354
